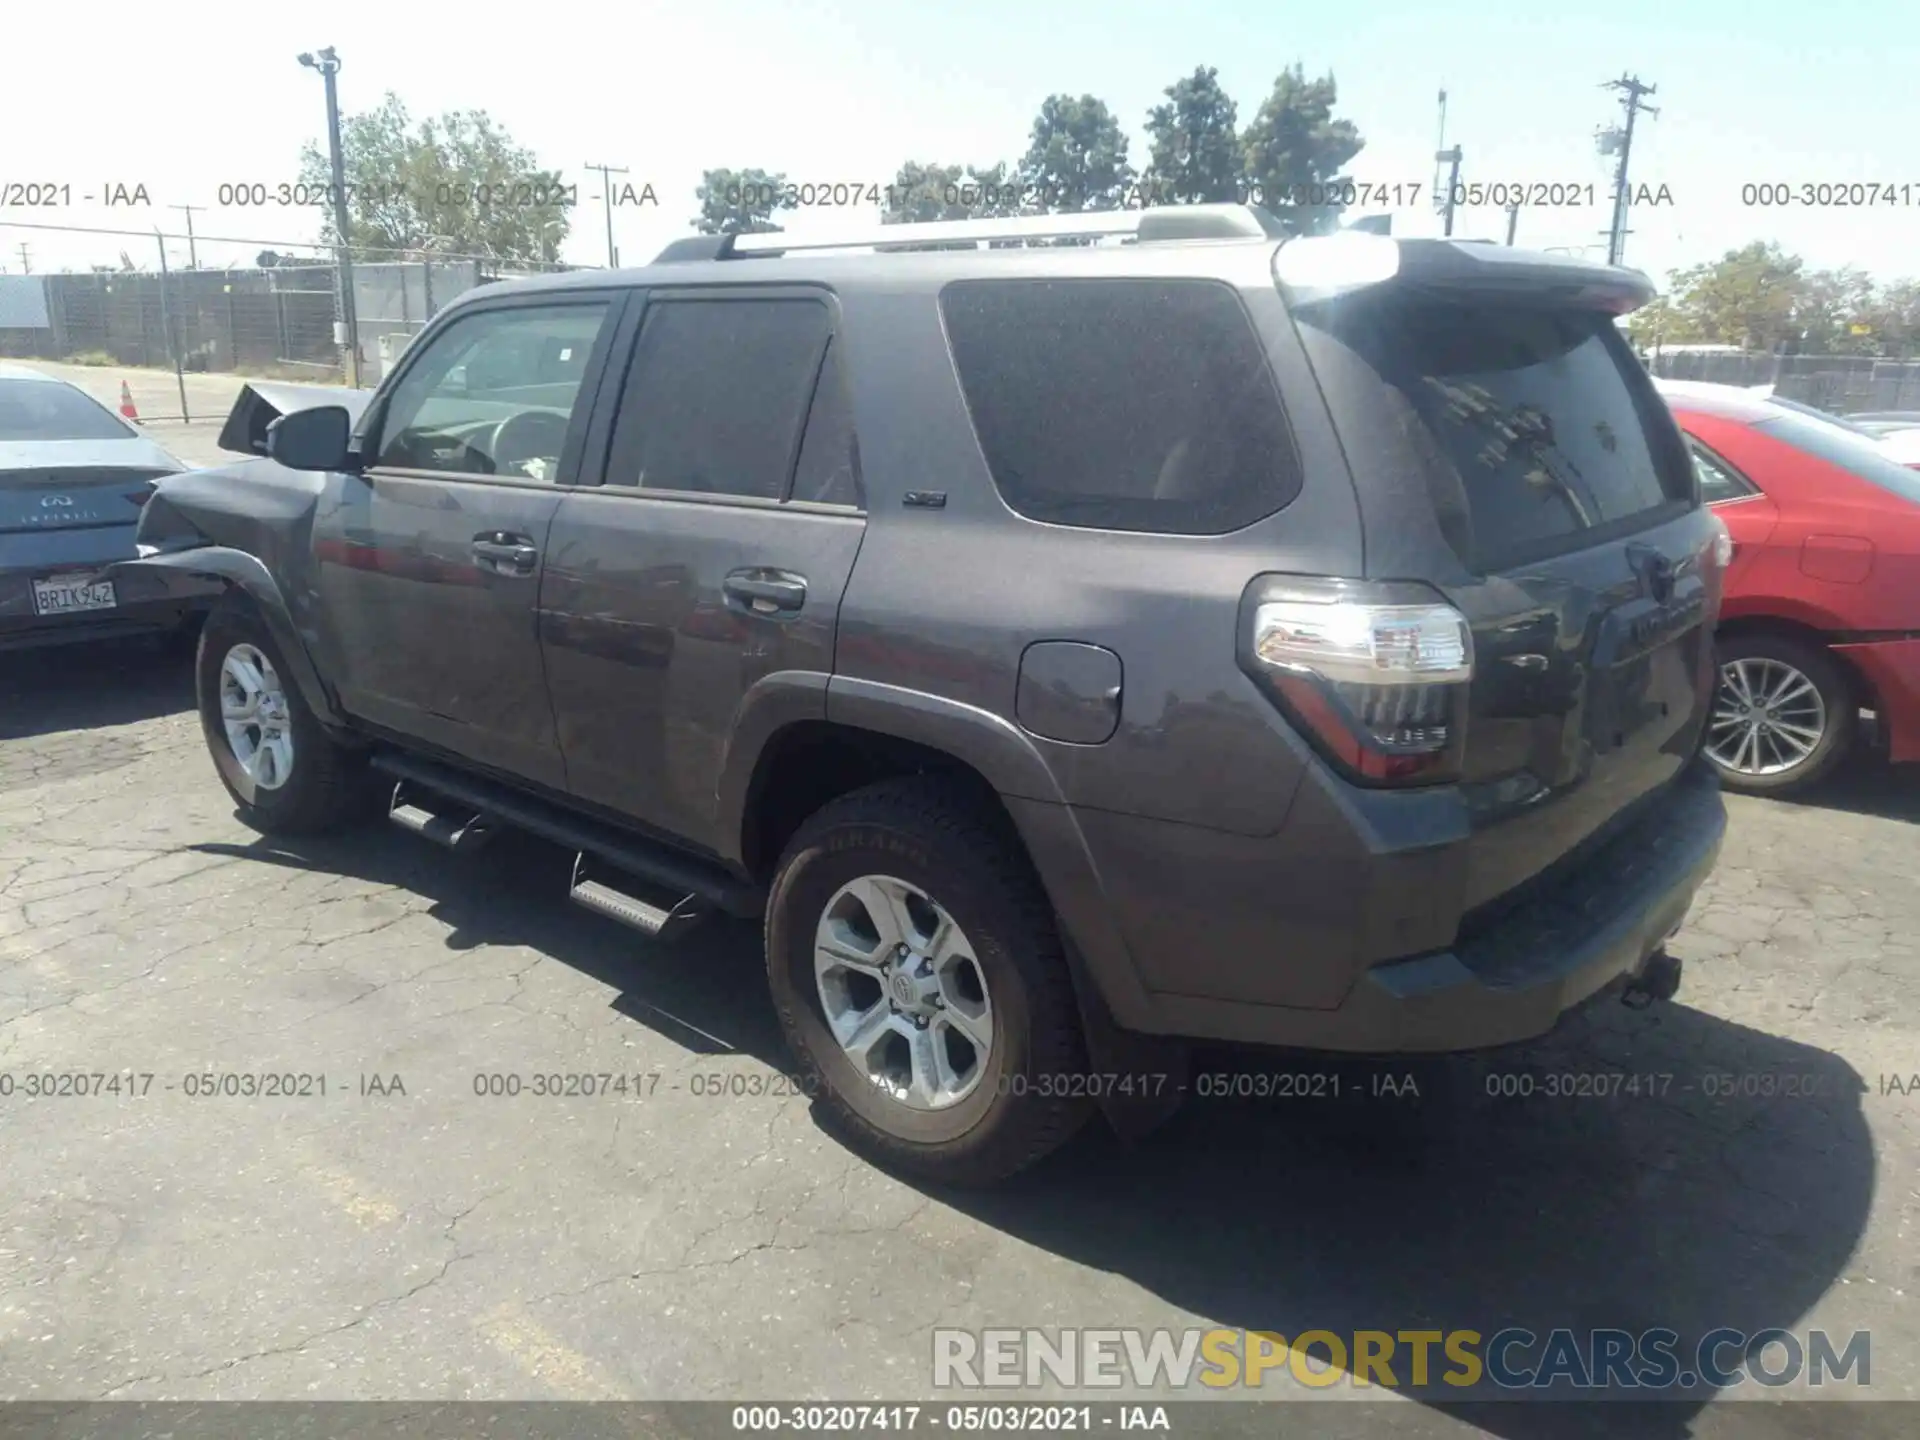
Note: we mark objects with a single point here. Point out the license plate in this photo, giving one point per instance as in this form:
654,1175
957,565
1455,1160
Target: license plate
70,594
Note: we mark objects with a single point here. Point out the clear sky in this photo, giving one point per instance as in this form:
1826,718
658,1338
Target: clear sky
184,100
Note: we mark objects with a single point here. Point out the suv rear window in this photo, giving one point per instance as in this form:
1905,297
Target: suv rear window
1122,404
1541,432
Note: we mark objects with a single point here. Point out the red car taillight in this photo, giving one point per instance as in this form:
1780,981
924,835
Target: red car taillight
1375,675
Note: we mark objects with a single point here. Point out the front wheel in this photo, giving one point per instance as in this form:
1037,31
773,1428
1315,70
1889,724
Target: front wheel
922,986
1784,715
284,772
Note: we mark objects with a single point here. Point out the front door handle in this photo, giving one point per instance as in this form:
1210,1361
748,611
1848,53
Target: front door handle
765,592
504,553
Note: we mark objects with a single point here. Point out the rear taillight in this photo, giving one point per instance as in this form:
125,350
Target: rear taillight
1376,675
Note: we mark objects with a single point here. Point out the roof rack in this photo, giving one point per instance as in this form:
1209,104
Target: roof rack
1144,226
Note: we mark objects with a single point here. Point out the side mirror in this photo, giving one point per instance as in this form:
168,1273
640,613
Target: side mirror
311,439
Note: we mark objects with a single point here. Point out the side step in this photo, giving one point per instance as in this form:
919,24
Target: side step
459,828
665,924
439,801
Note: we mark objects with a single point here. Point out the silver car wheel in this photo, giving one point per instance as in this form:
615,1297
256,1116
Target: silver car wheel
253,710
902,992
1768,717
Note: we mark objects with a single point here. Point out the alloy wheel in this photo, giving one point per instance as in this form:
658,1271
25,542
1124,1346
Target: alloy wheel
1768,717
902,992
254,713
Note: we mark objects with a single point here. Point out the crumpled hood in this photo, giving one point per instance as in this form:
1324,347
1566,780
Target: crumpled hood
261,402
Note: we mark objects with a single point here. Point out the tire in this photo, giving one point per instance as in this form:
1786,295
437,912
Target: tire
935,838
1826,703
324,784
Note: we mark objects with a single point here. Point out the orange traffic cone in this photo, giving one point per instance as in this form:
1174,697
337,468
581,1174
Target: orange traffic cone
126,404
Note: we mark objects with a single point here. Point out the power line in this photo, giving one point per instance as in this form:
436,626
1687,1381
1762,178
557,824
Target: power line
1632,93
606,193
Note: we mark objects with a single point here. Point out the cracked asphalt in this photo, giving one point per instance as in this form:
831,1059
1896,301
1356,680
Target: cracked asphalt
402,1236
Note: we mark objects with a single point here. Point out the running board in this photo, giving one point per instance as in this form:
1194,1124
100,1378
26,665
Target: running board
665,924
639,864
460,829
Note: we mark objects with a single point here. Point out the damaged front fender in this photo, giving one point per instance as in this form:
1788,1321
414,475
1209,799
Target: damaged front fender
182,565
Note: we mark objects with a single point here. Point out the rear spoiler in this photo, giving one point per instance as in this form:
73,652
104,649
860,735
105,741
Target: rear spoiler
1322,267
261,402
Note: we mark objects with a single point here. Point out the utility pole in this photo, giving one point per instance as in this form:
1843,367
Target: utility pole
1440,145
26,264
606,193
193,254
1453,181
1513,220
1620,140
328,64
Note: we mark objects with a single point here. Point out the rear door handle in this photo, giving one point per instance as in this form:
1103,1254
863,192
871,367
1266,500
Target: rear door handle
505,554
764,592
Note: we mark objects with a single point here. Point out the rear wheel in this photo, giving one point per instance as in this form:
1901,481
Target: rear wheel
1783,717
921,984
284,772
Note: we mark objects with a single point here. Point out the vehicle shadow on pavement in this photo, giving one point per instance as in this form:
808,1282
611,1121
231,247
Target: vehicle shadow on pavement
1427,1193
88,686
1689,1205
1867,786
706,993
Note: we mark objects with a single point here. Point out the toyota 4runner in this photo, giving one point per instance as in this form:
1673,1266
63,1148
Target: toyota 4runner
1142,629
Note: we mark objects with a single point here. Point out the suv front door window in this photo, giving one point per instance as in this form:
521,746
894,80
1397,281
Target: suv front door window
493,395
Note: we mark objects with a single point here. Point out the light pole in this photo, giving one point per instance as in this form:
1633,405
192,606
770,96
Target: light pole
193,253
1451,159
606,192
328,64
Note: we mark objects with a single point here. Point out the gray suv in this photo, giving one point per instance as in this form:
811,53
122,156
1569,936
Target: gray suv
1073,636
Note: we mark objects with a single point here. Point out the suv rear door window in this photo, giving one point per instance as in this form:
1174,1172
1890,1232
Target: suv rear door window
716,396
1122,404
1540,428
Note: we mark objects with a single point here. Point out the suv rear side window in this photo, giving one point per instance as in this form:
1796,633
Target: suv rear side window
1536,424
1122,404
716,396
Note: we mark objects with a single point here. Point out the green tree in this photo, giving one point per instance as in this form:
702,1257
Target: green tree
923,193
738,202
1293,150
1748,297
1891,318
1829,304
1077,158
1194,153
457,184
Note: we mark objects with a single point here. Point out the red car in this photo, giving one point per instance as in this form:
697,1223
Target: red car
1822,612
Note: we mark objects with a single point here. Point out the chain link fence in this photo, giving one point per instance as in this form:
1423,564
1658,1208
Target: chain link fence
282,317
1843,384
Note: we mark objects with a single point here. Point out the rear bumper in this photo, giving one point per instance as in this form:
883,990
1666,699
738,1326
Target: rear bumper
1892,667
1510,980
146,605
